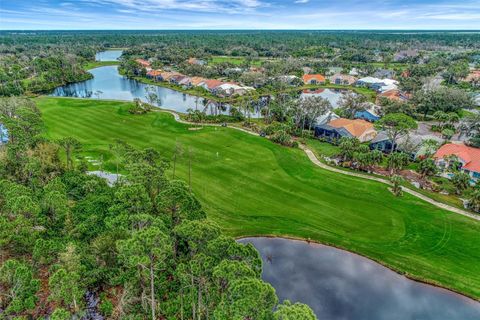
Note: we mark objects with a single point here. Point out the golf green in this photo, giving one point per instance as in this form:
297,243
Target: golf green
251,186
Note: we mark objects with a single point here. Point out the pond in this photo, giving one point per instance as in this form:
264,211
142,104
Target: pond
109,55
107,83
337,285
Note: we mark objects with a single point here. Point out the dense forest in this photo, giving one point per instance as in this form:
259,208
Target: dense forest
37,61
143,246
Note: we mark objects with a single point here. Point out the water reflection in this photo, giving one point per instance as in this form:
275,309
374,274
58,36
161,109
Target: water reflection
339,285
108,84
109,55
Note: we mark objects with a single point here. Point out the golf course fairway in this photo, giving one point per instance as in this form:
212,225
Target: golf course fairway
251,186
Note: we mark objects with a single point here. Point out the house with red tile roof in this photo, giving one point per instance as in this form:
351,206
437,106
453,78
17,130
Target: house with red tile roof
393,94
469,158
155,75
313,79
144,63
210,84
197,81
167,75
341,127
473,78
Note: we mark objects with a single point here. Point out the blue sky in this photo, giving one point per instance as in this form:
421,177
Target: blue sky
239,14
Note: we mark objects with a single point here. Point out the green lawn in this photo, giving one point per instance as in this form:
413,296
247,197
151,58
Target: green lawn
251,186
95,64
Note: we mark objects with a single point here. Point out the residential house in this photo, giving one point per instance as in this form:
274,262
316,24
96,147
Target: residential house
313,79
233,71
412,144
326,118
186,82
257,69
196,81
176,78
195,61
338,128
393,94
144,63
211,84
379,85
370,113
167,75
155,75
469,158
473,78
405,54
384,74
342,79
3,134
228,89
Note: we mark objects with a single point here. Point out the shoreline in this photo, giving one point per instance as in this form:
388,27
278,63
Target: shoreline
369,94
399,272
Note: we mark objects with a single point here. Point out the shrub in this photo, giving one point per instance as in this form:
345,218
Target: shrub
283,138
106,307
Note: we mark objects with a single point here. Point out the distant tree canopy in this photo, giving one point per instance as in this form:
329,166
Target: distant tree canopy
442,99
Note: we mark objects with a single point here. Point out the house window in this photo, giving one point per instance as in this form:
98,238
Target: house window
476,175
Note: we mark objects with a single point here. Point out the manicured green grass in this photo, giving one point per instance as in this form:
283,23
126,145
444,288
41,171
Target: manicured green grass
323,148
95,64
251,186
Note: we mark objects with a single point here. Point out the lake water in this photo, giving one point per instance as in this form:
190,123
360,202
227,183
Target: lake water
339,285
107,83
109,55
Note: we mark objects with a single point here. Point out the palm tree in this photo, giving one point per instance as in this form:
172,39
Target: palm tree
474,202
428,167
396,185
461,181
397,161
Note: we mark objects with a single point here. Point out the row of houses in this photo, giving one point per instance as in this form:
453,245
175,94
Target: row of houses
384,85
364,131
214,86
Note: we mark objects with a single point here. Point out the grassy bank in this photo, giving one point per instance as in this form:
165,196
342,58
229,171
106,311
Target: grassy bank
95,64
251,186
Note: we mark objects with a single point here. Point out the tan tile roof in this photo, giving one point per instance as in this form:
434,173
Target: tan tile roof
356,127
308,77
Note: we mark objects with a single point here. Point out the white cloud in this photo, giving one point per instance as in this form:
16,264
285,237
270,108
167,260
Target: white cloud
225,6
302,1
